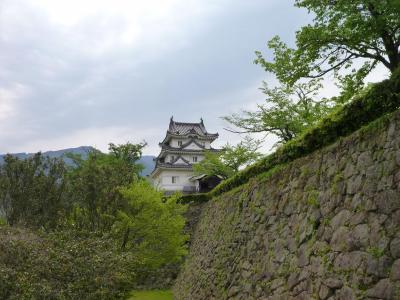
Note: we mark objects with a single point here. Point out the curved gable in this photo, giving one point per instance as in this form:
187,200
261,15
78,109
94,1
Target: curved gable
180,161
193,145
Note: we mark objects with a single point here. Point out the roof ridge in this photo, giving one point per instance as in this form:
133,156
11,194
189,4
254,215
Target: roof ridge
187,123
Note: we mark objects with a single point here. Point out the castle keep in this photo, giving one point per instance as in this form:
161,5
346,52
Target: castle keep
183,146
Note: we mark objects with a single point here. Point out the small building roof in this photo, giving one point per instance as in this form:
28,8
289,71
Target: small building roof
183,128
168,165
202,176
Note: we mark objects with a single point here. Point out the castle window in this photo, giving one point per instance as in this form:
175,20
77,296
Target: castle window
175,179
172,158
180,143
194,158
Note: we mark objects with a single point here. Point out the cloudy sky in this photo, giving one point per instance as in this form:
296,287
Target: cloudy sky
90,72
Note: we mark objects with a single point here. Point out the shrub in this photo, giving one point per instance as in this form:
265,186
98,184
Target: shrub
63,265
193,198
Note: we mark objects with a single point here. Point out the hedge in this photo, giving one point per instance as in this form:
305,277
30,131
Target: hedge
381,99
197,198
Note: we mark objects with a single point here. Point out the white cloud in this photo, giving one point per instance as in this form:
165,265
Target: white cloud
6,104
97,27
9,99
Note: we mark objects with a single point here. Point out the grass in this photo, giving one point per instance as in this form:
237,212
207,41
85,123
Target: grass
151,295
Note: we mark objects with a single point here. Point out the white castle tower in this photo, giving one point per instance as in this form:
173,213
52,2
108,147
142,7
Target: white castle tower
183,145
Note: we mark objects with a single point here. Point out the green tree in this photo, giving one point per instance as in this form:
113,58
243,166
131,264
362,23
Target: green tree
94,185
151,227
128,152
230,159
213,164
343,32
287,111
32,190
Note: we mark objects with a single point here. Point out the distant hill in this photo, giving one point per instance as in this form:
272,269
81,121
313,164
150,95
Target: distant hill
146,160
83,150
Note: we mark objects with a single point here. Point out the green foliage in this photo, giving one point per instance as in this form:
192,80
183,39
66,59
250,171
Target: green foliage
107,231
213,164
287,112
193,198
380,99
128,152
312,199
62,265
152,295
342,32
149,227
32,190
95,182
231,158
376,252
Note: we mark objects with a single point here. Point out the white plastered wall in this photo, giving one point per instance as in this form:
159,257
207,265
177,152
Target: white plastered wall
164,180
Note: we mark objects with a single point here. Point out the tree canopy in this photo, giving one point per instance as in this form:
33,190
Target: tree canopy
94,184
230,160
352,35
32,190
287,111
348,38
149,226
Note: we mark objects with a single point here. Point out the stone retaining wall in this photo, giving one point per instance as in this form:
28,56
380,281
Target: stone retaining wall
323,227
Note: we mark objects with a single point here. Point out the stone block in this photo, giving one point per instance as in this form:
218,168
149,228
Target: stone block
395,248
388,201
293,280
360,235
349,261
324,292
340,219
364,160
345,293
378,266
341,240
333,283
384,289
303,256
395,272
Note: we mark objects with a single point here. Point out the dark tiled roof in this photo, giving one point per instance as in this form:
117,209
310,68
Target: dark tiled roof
183,128
168,165
181,149
192,140
173,166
